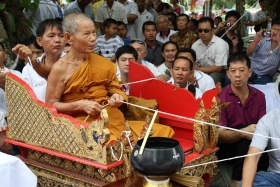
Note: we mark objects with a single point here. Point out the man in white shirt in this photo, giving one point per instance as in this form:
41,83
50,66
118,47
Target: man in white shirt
212,52
143,16
201,80
163,31
181,71
132,15
169,50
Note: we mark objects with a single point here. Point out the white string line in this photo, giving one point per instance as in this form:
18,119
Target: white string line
144,80
204,122
232,158
226,31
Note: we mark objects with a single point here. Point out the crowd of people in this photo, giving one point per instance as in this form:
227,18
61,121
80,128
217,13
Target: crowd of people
79,55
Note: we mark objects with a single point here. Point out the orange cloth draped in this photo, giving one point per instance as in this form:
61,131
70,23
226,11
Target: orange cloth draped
96,80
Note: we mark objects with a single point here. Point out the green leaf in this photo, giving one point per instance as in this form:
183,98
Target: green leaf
30,6
2,6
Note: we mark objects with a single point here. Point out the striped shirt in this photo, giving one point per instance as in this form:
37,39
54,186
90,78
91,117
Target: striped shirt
262,62
108,48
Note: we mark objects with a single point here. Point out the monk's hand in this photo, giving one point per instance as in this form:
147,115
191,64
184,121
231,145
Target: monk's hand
116,100
91,107
23,51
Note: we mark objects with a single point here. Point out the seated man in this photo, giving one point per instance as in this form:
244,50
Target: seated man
123,55
181,71
212,51
80,83
141,48
247,106
168,51
53,50
201,80
268,126
264,54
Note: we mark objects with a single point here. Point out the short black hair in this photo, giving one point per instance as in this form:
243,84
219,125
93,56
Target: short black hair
121,23
108,22
219,18
181,15
206,19
195,22
48,23
233,13
162,5
126,49
275,20
31,40
186,50
148,23
173,14
238,57
169,42
185,58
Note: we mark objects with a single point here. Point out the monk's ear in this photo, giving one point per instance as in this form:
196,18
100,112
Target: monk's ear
68,37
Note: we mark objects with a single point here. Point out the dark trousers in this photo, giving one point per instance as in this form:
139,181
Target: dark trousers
238,149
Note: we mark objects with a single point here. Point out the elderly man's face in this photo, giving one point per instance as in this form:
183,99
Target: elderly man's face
162,24
84,39
141,50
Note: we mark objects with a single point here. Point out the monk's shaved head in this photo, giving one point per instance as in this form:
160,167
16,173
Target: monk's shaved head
69,23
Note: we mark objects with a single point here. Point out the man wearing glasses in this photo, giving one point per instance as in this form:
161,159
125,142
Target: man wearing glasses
212,52
141,48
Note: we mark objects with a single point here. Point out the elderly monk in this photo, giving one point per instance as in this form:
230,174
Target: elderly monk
81,82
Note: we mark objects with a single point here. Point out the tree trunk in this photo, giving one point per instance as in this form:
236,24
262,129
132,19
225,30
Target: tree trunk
240,8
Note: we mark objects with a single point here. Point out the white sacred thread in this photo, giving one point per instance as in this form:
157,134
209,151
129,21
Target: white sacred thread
232,158
113,154
191,119
144,80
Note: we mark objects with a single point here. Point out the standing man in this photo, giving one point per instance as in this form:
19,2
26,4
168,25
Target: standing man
247,106
261,20
80,6
131,15
149,8
46,10
143,16
109,9
212,52
153,46
164,32
184,38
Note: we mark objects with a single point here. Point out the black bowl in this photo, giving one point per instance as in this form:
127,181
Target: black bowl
161,157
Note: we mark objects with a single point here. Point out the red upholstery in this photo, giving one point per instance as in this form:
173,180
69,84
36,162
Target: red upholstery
175,101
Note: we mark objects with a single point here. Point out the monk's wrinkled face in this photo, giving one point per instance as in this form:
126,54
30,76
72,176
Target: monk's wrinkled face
84,39
123,62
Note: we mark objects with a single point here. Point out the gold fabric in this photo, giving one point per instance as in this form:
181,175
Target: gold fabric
96,80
